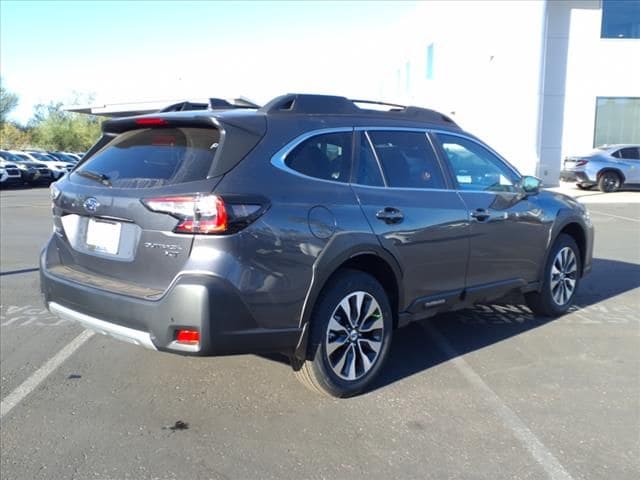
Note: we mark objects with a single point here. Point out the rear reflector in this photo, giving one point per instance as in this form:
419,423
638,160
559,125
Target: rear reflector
151,122
190,337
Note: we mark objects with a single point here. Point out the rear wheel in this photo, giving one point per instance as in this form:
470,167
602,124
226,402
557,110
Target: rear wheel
609,182
351,329
561,279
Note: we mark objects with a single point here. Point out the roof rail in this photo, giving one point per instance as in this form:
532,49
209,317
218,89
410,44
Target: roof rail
334,105
375,102
213,104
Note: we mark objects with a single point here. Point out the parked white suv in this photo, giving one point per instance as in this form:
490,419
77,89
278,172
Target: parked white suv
58,168
9,173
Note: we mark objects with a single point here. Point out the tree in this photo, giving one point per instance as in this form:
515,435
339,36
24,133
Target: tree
14,137
8,102
56,129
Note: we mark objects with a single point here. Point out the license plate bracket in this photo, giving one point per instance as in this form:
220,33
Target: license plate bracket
103,236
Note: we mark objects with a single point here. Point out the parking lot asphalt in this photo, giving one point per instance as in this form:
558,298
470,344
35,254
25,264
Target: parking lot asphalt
488,393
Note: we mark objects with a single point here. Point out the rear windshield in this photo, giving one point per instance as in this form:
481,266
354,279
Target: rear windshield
155,157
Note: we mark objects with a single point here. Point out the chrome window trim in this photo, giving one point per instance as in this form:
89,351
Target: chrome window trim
392,129
411,189
279,158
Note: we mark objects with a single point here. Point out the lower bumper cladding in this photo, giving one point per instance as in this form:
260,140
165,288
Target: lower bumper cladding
130,335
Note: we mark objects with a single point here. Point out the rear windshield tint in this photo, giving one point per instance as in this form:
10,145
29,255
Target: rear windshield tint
155,157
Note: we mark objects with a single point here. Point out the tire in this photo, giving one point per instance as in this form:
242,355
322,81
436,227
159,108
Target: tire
609,182
561,279
341,363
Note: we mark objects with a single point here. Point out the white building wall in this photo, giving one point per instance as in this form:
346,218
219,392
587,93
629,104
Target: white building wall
522,75
486,70
595,68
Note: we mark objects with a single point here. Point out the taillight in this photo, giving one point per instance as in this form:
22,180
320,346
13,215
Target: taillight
206,213
197,213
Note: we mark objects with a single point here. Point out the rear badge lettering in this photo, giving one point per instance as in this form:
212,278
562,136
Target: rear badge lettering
170,250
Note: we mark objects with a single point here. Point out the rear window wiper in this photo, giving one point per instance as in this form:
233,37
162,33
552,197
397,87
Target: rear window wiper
98,177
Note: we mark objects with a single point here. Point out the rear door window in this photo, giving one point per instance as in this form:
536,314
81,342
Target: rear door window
326,156
407,159
148,158
630,153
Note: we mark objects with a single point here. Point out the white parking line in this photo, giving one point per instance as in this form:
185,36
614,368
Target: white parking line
615,216
42,373
536,448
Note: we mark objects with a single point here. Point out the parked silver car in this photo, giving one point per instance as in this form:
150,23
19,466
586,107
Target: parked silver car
608,166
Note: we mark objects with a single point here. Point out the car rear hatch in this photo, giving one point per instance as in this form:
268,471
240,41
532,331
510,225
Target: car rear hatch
574,163
109,233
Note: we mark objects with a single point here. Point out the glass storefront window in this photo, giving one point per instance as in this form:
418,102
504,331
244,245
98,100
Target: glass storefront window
617,120
620,19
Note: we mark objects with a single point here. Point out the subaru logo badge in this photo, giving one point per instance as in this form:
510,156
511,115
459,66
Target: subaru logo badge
91,205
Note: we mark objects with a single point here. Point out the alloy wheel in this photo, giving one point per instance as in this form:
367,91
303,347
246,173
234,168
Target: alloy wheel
611,182
354,336
564,274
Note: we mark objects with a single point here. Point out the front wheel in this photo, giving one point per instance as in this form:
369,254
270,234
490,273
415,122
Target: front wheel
351,329
561,279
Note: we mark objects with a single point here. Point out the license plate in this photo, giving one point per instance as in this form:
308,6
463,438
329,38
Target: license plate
103,236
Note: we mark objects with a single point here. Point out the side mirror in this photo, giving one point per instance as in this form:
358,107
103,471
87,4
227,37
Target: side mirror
530,185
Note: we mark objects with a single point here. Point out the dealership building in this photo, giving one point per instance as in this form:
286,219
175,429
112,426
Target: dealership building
537,80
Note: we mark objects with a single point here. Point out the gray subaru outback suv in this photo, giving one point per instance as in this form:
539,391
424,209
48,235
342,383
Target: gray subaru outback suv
313,226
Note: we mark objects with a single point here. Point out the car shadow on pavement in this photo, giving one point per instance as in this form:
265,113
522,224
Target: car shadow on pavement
414,349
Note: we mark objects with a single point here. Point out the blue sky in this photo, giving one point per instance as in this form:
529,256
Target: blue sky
124,51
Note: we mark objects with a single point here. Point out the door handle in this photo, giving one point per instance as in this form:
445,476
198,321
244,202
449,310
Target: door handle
481,214
390,215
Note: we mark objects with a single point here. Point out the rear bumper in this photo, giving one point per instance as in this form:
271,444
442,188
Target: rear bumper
29,176
575,176
205,303
6,179
43,178
126,334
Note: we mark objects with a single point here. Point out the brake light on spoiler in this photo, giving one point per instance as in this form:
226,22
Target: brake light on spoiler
151,122
206,213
